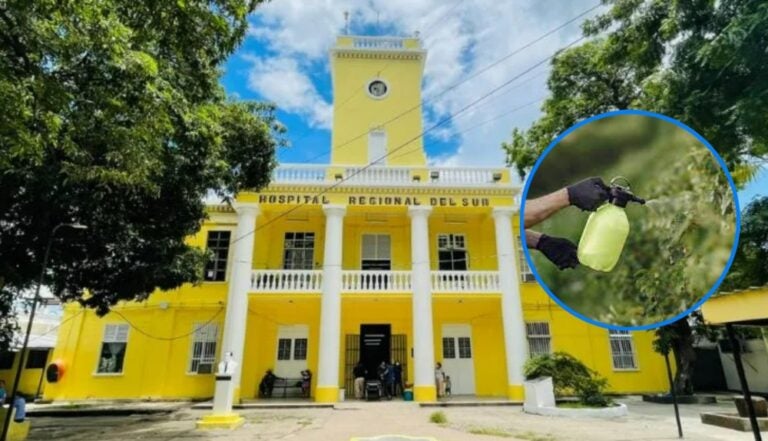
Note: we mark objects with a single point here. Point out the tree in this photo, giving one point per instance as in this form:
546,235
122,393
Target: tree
700,62
750,265
113,117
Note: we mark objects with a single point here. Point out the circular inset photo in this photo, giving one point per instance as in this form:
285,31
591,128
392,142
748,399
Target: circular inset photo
630,220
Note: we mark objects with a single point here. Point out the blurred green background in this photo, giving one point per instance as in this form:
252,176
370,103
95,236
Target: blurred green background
679,242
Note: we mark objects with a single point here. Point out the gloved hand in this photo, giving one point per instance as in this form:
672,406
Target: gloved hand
588,194
561,252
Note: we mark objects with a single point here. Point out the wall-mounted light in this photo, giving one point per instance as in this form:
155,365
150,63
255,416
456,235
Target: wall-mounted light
416,178
496,177
434,175
338,176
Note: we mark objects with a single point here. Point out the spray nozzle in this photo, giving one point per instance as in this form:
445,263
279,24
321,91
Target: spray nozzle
621,194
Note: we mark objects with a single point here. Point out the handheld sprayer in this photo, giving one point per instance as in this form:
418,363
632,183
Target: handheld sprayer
607,228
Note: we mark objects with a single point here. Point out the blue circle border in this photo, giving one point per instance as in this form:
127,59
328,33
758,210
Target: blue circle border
557,141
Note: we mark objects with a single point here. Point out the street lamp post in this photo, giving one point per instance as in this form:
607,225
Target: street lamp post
35,300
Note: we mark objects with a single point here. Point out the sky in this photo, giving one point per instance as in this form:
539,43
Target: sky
285,60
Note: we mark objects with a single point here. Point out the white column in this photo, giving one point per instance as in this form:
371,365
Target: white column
330,307
423,343
228,385
515,344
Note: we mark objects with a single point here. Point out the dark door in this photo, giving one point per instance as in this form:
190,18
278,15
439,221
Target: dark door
374,347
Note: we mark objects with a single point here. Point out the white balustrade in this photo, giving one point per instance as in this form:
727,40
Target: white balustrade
295,281
465,281
299,173
359,281
462,175
378,175
377,43
388,175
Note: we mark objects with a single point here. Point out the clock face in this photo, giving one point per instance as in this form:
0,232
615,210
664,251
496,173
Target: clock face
377,88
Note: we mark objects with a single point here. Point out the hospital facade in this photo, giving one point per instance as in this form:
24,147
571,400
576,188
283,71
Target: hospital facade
374,256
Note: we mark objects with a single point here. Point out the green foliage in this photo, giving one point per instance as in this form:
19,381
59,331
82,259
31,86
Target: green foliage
750,266
438,417
699,62
570,377
119,123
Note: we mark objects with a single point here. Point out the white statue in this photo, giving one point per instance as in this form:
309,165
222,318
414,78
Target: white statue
228,365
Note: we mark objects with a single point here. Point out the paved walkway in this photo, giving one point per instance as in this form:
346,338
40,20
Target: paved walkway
355,419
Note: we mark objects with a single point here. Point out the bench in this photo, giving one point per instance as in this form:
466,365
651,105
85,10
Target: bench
285,384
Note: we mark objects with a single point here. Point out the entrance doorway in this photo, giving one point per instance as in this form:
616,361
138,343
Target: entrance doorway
398,351
374,346
458,360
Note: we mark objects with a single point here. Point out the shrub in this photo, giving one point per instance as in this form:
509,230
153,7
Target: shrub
438,417
569,376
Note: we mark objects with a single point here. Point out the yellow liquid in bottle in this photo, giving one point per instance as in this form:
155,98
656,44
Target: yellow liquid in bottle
603,238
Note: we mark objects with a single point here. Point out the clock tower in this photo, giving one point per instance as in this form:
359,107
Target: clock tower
377,101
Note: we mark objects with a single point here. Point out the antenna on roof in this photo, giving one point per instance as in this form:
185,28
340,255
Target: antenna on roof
346,22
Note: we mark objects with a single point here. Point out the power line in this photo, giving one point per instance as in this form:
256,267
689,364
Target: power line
405,144
473,127
177,337
61,323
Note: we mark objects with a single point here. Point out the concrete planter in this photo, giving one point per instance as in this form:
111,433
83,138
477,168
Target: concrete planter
618,410
540,400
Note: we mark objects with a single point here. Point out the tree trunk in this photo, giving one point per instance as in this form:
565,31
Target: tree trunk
685,357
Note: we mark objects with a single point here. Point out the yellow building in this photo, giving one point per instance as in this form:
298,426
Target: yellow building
376,256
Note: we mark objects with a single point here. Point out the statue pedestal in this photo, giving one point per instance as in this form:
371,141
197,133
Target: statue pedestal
222,416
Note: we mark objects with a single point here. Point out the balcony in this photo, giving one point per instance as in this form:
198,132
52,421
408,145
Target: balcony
365,282
394,176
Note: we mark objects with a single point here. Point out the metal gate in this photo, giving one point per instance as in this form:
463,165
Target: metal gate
398,352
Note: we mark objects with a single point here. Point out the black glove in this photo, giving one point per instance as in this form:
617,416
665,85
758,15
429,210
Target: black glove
588,194
561,252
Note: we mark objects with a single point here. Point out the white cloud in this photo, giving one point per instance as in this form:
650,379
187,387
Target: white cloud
461,37
283,82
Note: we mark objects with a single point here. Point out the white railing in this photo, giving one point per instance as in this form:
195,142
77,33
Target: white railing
299,173
377,43
465,281
375,281
377,175
359,281
385,175
463,175
297,281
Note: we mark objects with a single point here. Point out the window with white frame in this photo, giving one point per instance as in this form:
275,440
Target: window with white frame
299,251
113,347
284,349
300,349
203,354
539,338
622,349
465,347
452,252
218,245
376,252
449,347
292,348
526,275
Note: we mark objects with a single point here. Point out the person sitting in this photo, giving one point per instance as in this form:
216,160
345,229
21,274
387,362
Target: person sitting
267,384
306,382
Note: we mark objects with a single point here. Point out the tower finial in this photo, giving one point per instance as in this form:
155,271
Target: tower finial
346,22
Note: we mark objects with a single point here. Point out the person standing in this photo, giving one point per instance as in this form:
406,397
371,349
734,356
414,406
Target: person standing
398,371
389,381
359,372
439,379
